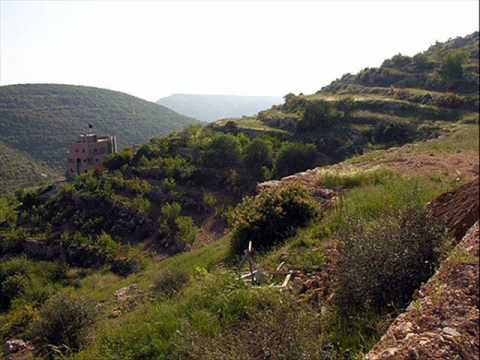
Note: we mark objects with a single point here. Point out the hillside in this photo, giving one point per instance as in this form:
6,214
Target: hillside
406,99
213,107
152,258
41,120
436,69
19,170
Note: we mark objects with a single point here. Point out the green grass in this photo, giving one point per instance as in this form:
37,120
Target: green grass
333,179
459,138
253,124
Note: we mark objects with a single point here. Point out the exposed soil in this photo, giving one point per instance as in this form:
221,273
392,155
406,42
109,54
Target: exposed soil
459,166
458,209
211,230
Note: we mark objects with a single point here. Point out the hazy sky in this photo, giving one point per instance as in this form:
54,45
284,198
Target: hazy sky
154,48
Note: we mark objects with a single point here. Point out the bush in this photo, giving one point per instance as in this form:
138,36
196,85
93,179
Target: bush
64,321
170,282
385,261
17,322
126,265
452,65
223,152
393,132
269,218
175,232
293,158
318,115
285,330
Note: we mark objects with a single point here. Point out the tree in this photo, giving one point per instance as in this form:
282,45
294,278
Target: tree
223,152
346,104
258,154
452,66
175,231
318,115
293,158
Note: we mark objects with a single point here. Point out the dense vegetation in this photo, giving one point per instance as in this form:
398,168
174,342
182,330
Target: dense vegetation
450,66
213,107
55,114
18,169
80,274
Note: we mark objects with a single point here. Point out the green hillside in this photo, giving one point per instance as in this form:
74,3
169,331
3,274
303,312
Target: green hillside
448,66
42,119
19,170
406,99
144,258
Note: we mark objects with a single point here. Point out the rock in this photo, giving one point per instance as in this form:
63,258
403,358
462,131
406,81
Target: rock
451,332
17,345
127,292
115,313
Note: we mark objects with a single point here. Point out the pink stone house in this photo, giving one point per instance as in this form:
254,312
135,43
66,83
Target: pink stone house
88,153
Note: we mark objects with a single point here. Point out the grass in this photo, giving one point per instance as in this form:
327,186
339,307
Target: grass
4,209
333,179
458,138
253,124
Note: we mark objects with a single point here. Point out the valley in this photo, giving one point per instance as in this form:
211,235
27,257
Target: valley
339,193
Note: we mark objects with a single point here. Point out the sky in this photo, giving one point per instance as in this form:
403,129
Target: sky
152,49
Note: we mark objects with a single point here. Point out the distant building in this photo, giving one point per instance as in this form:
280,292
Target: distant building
88,153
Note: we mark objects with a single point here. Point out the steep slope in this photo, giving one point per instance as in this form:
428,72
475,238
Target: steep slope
42,119
213,107
436,69
17,170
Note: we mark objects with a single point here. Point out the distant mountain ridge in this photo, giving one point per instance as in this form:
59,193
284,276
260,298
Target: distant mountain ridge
213,107
41,120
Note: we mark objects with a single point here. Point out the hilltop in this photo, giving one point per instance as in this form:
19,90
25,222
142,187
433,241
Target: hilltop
337,191
41,120
213,107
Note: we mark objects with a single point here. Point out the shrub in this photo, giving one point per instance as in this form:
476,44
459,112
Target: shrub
209,200
393,132
269,218
452,65
170,282
318,115
223,152
285,330
16,322
293,158
385,261
128,264
64,321
175,232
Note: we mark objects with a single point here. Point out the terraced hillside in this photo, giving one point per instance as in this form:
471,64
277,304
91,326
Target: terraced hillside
40,120
145,258
406,99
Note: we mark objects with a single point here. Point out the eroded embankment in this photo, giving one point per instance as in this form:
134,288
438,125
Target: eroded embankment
443,320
